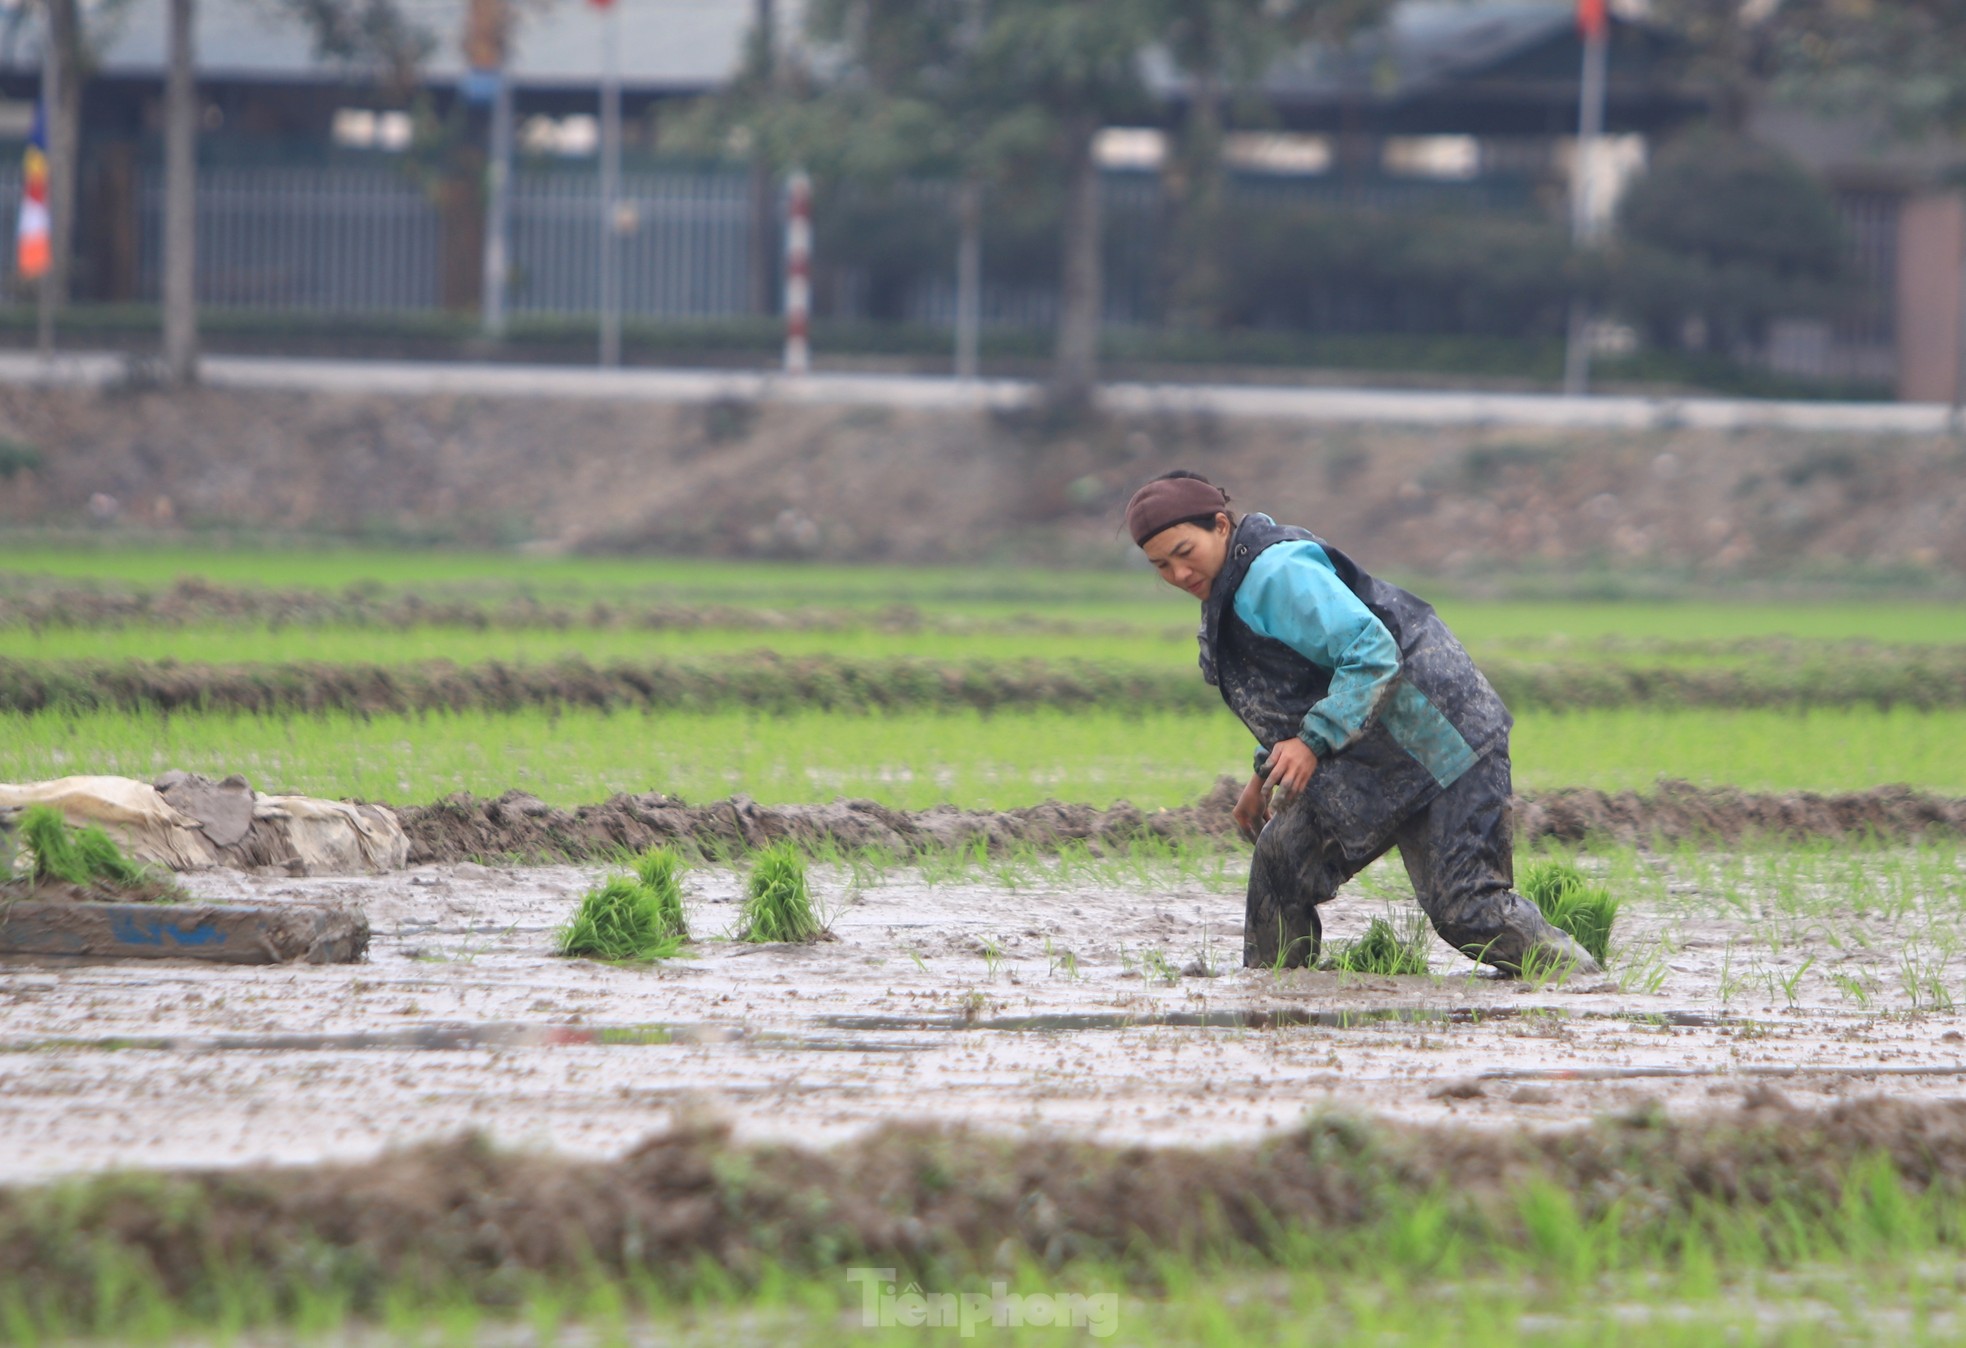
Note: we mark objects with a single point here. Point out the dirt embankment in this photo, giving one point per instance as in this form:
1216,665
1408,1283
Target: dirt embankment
516,825
760,479
464,1218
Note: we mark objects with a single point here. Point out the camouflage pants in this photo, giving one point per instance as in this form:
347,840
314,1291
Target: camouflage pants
1459,852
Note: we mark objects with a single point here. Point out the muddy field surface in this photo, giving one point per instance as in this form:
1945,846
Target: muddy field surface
1108,1008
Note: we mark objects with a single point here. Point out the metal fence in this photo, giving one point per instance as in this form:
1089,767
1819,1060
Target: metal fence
349,239
369,238
685,241
9,224
318,240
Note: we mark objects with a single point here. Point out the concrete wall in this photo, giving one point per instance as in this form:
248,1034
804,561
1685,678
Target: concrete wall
1931,247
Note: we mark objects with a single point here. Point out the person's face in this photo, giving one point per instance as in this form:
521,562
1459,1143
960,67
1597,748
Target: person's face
1189,557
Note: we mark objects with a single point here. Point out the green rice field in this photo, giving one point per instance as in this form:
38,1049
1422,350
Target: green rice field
1639,1228
913,760
105,611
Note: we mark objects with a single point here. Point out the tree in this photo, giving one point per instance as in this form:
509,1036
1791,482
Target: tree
1224,48
1904,59
1012,92
376,36
1726,235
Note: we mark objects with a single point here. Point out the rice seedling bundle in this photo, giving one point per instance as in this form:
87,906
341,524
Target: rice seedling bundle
1385,949
638,916
778,904
1572,904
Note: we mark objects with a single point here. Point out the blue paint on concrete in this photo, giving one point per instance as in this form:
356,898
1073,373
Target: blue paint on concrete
130,929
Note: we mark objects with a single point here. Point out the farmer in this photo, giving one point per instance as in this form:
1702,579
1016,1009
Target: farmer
1373,729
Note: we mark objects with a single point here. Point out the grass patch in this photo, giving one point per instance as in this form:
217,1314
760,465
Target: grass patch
1386,948
1572,904
631,917
914,759
778,903
87,858
1368,1232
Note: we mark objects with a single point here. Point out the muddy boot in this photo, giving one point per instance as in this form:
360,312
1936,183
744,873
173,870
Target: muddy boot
1274,938
1531,947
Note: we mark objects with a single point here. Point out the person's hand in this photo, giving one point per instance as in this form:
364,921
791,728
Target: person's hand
1248,813
1291,766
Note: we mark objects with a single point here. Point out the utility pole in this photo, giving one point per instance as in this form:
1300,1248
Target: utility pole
498,210
969,228
969,277
181,200
610,183
764,199
48,298
487,31
798,274
1594,23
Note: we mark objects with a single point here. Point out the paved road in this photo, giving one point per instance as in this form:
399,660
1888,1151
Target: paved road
1385,406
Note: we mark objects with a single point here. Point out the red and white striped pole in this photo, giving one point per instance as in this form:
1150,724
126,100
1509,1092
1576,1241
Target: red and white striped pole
798,274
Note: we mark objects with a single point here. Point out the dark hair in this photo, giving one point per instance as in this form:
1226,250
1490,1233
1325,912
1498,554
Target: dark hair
1200,521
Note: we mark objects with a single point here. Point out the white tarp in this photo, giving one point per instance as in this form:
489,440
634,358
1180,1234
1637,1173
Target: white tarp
306,835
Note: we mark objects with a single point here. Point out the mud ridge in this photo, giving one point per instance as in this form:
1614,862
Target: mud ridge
519,826
191,602
768,681
465,1217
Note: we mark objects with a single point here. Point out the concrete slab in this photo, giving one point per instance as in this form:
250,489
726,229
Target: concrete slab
224,933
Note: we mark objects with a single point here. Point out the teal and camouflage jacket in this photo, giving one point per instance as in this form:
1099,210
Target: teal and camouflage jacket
1302,642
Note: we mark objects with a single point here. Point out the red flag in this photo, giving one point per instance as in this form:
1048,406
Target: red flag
1593,18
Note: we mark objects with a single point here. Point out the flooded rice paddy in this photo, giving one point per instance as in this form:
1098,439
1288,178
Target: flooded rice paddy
1062,1002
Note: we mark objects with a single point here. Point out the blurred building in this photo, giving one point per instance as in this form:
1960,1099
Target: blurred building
334,184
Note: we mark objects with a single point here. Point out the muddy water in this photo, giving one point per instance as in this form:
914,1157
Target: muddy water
1057,1005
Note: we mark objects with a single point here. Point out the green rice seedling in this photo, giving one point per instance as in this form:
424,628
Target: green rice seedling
1057,958
1572,905
1788,984
1648,974
660,871
1160,968
1385,949
992,956
1731,983
622,920
1921,974
1858,987
778,904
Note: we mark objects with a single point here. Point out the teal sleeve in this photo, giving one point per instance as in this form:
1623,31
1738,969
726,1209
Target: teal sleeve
1291,594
